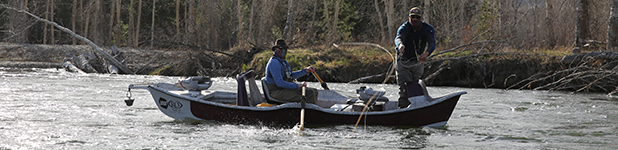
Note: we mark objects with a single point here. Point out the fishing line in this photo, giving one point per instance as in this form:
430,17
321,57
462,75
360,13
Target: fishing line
390,71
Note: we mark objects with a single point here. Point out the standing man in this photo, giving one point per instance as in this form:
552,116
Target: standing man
415,41
280,77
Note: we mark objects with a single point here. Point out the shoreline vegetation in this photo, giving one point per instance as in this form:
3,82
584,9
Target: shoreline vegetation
491,44
553,70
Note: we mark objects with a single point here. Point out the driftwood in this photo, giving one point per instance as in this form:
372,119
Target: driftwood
68,66
585,77
94,46
83,62
569,59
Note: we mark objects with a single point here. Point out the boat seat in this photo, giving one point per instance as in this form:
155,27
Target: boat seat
417,94
267,94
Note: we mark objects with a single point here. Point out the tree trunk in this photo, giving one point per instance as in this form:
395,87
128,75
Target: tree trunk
96,32
328,21
73,19
252,16
427,11
154,6
18,23
112,18
549,29
612,33
312,27
582,22
46,18
334,36
190,23
137,28
288,22
240,35
380,21
177,20
87,20
51,30
118,23
390,17
130,41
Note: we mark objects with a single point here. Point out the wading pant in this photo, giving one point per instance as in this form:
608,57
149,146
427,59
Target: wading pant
293,95
407,71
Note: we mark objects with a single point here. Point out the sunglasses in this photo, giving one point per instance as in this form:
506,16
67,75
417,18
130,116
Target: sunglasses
415,17
282,48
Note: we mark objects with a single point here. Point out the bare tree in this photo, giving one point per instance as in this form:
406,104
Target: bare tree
154,6
86,21
52,14
138,23
380,21
190,23
46,18
18,24
331,36
612,33
177,20
240,31
118,23
74,19
390,17
582,22
112,10
549,27
131,39
288,22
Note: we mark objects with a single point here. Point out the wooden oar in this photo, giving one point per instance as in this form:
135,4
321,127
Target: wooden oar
321,82
303,98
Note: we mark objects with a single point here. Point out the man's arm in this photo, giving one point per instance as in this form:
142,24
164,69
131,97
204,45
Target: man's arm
431,41
401,35
275,70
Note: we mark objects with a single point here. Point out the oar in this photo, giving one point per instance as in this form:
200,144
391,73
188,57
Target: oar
321,82
303,98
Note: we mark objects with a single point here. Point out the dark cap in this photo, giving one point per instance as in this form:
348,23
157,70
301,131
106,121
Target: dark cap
279,43
416,11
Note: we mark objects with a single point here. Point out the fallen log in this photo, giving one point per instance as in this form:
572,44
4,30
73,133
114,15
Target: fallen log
97,48
576,58
68,66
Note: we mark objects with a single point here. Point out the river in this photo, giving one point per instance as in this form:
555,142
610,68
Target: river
55,109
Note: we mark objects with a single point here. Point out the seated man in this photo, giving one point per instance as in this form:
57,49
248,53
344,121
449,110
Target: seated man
280,78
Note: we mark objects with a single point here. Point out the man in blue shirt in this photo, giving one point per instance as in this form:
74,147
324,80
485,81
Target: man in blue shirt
280,77
415,41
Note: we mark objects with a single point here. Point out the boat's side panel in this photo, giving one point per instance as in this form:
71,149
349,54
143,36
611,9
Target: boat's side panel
172,106
277,117
440,112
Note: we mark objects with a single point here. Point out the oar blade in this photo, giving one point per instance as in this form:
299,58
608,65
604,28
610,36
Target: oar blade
325,86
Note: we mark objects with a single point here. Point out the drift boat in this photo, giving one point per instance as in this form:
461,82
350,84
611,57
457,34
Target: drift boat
191,99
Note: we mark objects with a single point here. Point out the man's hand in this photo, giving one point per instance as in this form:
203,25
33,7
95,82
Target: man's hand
310,69
300,85
423,57
402,48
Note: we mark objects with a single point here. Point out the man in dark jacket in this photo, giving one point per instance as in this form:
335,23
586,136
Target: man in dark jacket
415,41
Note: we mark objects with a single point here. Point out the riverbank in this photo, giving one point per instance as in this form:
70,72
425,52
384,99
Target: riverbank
496,69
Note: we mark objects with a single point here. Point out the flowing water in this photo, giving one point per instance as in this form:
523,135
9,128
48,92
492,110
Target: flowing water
54,109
